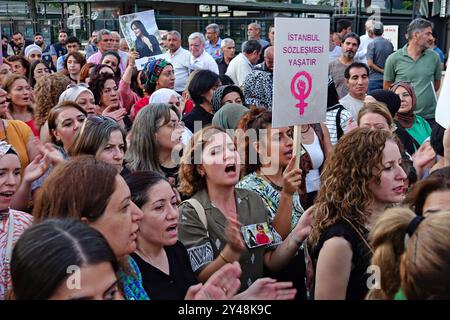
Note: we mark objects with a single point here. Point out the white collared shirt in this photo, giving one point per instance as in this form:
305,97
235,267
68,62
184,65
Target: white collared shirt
204,62
181,63
239,68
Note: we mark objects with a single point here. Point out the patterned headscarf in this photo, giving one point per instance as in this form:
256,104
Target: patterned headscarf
221,92
152,71
6,148
258,88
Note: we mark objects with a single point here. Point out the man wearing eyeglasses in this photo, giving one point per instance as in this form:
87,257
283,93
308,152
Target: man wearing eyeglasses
72,45
418,63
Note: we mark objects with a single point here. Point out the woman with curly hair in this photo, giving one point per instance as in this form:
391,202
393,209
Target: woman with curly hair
362,177
46,96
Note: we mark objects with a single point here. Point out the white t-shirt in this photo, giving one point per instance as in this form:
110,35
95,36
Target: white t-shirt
351,104
181,62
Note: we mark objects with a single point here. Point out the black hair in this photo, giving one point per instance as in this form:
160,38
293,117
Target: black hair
141,27
97,84
17,32
201,83
73,40
251,46
34,64
343,24
63,31
44,253
225,80
355,65
140,182
116,55
352,35
37,34
436,139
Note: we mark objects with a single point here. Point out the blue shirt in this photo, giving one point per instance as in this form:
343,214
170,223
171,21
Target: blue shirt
440,54
214,51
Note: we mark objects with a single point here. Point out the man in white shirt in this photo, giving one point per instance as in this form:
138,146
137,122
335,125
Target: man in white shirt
180,59
357,81
365,40
243,64
200,59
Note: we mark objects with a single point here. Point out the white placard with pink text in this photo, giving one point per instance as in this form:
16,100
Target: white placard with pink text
300,79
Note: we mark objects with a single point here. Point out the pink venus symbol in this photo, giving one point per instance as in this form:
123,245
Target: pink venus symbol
301,89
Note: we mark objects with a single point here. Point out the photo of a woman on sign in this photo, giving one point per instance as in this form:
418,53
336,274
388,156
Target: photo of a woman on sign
146,44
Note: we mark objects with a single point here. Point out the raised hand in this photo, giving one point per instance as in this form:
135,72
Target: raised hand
36,168
50,153
132,56
222,285
424,157
116,113
269,289
303,227
292,177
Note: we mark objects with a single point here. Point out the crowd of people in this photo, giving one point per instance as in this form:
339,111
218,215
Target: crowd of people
170,183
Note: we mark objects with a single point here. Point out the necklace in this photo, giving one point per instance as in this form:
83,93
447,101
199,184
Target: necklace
307,129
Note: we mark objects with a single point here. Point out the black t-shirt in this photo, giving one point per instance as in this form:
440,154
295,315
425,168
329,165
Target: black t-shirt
197,114
60,49
159,285
357,284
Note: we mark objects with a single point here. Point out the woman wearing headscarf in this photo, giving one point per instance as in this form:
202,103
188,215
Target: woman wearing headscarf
414,124
229,115
227,94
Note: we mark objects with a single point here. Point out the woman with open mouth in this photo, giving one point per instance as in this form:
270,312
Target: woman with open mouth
12,223
209,172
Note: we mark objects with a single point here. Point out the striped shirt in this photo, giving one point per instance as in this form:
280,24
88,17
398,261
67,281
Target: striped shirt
22,221
346,116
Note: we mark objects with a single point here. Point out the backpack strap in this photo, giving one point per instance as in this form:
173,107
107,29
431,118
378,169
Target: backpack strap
339,130
200,211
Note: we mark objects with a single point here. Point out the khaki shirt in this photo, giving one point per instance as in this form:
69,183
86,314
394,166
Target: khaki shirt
203,249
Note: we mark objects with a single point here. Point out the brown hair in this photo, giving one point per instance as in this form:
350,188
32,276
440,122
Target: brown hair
78,57
8,84
80,187
418,265
422,189
191,181
344,193
256,119
46,95
85,71
378,108
55,112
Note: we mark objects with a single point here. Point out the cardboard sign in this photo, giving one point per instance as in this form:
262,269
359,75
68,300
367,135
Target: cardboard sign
300,80
391,34
142,35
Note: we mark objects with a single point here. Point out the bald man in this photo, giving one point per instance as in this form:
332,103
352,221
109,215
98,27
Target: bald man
267,65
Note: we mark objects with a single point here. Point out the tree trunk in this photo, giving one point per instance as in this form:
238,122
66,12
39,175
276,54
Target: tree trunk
32,9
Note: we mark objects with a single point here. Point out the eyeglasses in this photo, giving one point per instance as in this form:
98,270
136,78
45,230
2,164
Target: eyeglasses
75,85
175,124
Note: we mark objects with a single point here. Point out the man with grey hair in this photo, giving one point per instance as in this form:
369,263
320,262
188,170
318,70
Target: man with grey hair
105,42
377,53
200,59
214,44
365,39
254,33
228,48
115,47
243,64
180,59
417,63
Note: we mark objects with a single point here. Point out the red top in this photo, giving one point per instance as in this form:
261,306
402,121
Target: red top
262,238
32,125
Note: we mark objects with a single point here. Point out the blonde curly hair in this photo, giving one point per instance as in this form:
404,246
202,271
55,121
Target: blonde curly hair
46,95
344,193
190,180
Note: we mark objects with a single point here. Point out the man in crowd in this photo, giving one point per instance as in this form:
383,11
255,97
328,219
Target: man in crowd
243,64
365,39
116,48
200,59
337,67
377,53
254,33
72,45
91,48
418,63
343,27
59,49
357,82
228,49
105,43
214,44
271,35
46,54
180,59
18,43
335,50
267,65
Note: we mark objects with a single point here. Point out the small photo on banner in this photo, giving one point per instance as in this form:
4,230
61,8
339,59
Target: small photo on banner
142,35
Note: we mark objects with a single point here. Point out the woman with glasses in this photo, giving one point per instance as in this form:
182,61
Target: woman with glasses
156,141
405,117
106,92
73,63
20,98
103,138
38,69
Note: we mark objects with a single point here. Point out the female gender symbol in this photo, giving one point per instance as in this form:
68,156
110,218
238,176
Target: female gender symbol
301,90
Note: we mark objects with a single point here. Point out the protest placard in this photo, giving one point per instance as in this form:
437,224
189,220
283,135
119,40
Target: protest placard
142,35
443,108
